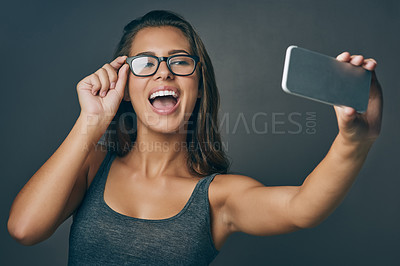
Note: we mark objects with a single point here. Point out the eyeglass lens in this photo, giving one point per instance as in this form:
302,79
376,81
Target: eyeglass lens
179,65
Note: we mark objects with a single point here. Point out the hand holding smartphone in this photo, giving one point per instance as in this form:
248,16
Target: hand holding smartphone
323,78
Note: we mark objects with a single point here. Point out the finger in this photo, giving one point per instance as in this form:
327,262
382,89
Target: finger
349,111
375,79
105,82
122,78
345,113
112,75
95,82
344,57
376,89
375,104
369,64
118,62
357,60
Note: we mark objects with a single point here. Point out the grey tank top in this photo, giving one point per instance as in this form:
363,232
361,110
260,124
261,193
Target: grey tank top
102,236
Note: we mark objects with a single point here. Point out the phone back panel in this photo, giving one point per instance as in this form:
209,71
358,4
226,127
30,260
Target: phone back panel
325,79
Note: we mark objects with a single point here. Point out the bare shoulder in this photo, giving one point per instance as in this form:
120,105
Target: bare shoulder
243,204
224,185
224,189
229,182
95,159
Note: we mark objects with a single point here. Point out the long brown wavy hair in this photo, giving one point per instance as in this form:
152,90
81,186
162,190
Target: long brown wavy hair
203,141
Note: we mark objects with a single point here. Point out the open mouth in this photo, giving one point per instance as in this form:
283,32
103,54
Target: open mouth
164,101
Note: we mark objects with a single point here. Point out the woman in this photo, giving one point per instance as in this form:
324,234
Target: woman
159,193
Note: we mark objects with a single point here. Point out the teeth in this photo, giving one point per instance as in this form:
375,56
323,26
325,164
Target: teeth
163,93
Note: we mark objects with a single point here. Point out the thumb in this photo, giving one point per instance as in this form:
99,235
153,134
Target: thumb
121,82
345,113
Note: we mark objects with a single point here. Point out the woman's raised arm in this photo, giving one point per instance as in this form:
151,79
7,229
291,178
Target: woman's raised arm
57,188
255,209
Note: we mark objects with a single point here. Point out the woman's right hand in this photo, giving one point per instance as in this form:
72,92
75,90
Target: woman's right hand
101,93
56,190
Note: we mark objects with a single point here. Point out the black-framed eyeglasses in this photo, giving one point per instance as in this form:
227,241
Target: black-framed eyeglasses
147,65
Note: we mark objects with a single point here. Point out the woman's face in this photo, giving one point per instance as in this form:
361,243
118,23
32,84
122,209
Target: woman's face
169,113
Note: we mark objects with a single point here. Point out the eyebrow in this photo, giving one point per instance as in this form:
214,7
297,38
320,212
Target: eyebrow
171,52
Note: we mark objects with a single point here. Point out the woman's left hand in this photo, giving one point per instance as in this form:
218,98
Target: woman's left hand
356,127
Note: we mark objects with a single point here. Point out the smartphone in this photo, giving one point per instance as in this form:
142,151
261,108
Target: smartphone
324,79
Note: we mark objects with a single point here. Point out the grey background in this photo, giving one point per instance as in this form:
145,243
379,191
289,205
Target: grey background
47,47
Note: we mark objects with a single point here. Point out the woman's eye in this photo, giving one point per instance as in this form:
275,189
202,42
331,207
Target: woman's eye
180,62
148,65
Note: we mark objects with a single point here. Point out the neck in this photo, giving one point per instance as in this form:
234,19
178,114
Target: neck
157,154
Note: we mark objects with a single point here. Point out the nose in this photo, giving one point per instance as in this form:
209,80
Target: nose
163,72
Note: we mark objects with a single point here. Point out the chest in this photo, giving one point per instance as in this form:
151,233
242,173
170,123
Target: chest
154,199
125,196
101,236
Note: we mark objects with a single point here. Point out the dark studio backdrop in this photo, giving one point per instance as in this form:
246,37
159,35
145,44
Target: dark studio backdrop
47,47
